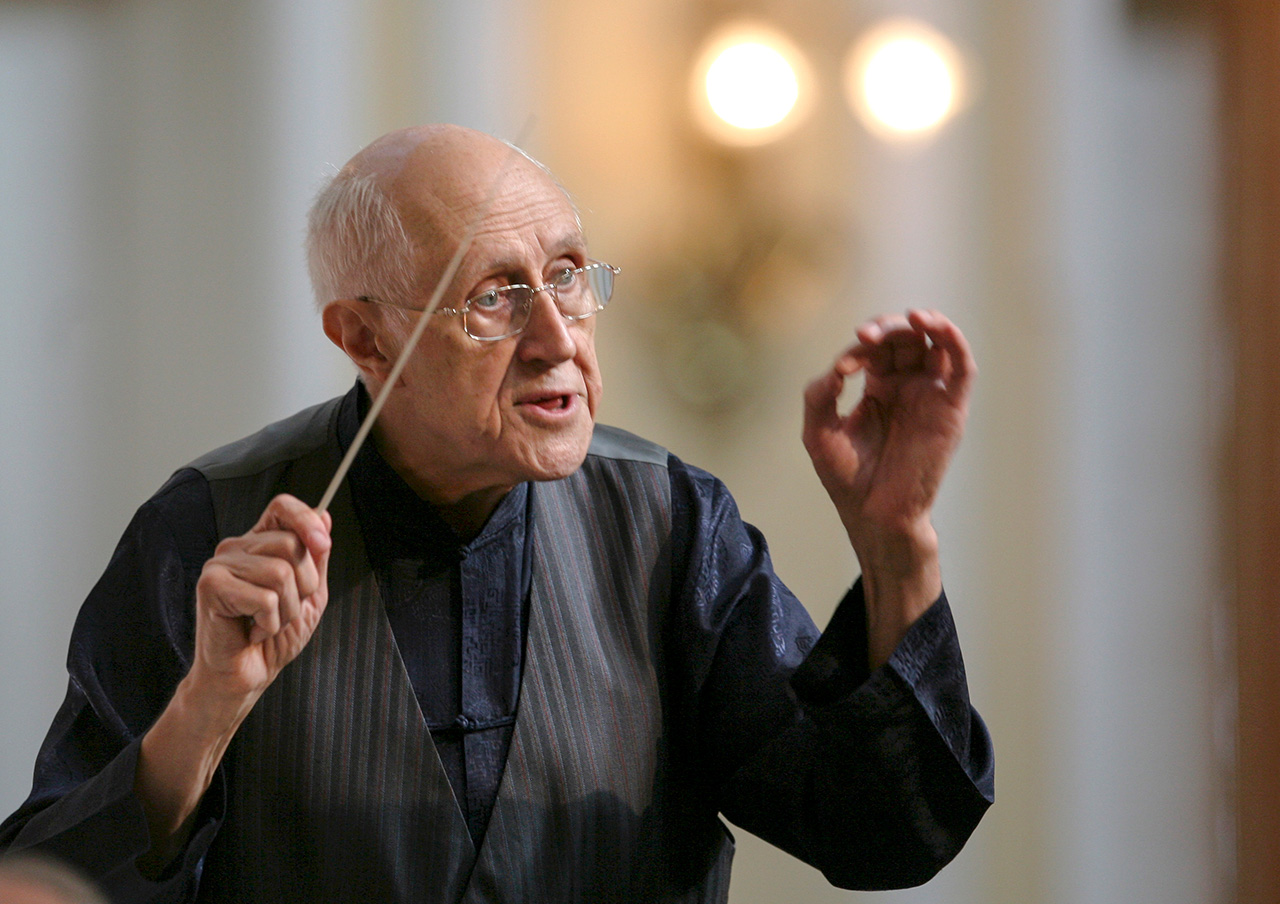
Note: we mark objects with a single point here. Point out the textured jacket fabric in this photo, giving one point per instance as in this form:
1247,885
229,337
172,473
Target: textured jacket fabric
635,686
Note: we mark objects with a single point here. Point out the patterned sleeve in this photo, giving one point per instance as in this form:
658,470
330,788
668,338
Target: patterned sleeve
875,778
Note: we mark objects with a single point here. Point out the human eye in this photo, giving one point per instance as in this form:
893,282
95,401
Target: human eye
489,302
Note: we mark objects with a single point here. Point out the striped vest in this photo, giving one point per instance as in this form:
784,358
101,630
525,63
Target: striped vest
336,793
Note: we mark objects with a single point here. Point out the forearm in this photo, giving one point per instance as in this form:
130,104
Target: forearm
177,761
887,811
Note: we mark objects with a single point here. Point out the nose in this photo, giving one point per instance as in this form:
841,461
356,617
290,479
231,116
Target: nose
547,336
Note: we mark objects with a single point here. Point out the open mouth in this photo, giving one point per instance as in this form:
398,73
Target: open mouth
551,402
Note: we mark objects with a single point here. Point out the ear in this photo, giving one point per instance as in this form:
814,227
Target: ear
354,328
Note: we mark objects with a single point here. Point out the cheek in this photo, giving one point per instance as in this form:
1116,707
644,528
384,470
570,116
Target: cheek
459,383
590,369
595,391
588,363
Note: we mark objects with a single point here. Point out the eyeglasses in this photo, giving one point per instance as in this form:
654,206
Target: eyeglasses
504,311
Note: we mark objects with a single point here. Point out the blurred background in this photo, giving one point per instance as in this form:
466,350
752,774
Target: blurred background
1047,172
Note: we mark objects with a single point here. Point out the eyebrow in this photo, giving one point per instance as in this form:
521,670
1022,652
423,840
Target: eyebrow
510,266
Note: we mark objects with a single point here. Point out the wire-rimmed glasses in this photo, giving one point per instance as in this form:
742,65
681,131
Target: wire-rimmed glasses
504,311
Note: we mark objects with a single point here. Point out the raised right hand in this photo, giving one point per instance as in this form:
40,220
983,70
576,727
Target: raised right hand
259,599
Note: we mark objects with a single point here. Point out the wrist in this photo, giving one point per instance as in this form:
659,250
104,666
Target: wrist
207,709
901,579
898,552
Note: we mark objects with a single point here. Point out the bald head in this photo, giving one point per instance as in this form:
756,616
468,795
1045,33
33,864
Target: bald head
441,159
382,226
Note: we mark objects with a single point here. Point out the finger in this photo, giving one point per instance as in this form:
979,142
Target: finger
312,528
820,404
286,512
227,595
322,566
286,545
277,575
847,362
874,331
907,349
899,350
890,343
274,556
961,365
822,393
278,544
937,365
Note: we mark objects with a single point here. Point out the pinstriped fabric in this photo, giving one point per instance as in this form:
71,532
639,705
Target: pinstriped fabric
582,813
336,792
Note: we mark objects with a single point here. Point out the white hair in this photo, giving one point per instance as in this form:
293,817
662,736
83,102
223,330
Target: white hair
357,245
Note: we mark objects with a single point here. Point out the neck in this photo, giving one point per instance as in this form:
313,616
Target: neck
468,515
465,511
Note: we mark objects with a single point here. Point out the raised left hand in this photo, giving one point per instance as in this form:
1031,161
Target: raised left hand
882,463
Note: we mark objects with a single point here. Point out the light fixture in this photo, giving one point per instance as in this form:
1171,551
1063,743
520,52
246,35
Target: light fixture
904,79
751,85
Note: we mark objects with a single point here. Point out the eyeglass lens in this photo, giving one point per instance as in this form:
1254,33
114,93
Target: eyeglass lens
505,311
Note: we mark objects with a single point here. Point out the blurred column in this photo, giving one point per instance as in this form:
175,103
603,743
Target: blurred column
51,264
1251,131
1118,126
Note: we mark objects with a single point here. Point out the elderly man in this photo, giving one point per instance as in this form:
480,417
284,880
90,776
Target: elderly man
523,657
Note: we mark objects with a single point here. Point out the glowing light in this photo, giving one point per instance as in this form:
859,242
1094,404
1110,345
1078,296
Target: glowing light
904,79
752,86
908,85
749,85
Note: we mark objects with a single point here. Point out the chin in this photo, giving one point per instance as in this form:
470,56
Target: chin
560,457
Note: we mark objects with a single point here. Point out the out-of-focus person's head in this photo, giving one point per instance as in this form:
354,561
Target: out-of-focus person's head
28,879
